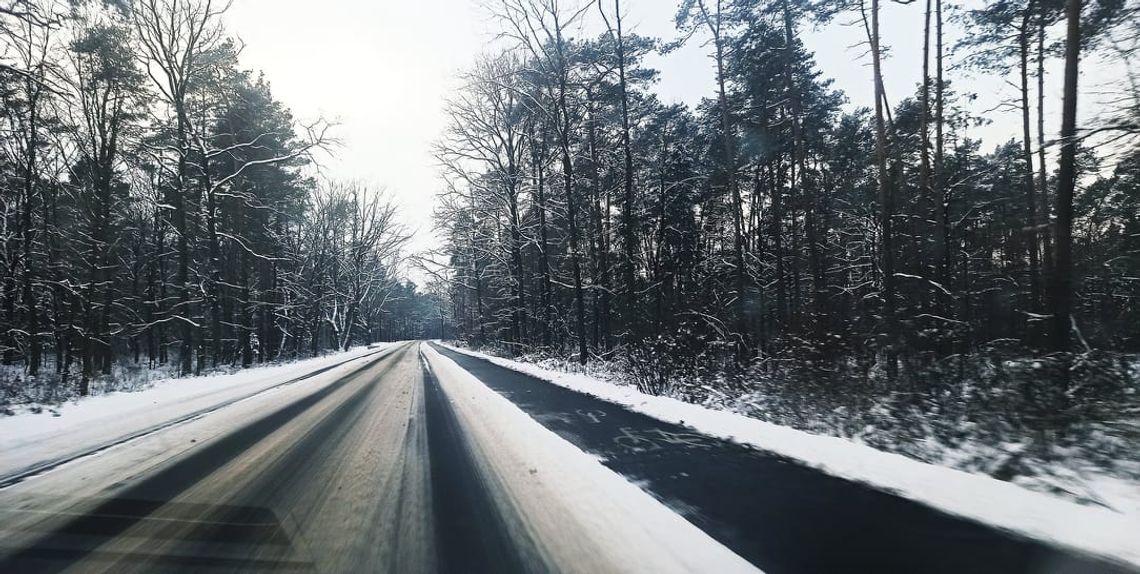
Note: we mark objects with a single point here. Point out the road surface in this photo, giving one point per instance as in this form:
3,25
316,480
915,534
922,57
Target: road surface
376,470
406,464
781,515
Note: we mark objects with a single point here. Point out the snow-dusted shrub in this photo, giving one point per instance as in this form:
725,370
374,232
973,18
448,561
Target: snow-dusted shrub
1048,422
680,365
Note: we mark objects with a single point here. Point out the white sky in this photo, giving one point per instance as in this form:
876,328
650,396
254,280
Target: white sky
383,69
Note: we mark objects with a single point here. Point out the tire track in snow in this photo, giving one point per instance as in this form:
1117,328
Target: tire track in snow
40,468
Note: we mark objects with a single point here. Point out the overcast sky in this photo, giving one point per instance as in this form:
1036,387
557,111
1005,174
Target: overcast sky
383,69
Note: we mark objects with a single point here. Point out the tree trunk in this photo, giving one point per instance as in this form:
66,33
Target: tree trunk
886,200
1043,222
571,204
538,154
186,348
214,289
1066,184
940,190
1027,175
820,318
629,215
31,174
926,195
520,315
729,144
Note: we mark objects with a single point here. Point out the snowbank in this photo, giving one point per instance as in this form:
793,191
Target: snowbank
1002,504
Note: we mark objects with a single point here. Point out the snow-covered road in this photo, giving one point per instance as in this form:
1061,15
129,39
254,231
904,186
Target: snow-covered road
415,458
33,443
396,462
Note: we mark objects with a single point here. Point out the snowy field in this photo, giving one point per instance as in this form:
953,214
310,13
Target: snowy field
1005,505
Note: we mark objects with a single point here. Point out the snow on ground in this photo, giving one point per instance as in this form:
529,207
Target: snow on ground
1002,504
583,516
31,438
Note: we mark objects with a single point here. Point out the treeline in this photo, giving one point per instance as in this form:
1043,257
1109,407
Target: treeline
582,214
155,206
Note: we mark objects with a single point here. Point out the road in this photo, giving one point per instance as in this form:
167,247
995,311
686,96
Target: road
408,463
781,515
278,492
370,471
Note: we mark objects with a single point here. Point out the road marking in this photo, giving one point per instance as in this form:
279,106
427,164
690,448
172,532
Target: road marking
594,417
633,440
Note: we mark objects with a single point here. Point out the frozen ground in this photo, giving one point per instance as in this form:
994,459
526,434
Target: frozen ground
34,436
1006,505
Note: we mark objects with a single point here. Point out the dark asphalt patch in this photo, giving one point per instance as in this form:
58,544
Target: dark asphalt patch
778,514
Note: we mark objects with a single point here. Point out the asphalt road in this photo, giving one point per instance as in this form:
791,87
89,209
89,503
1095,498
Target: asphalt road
339,479
780,515
405,465
378,466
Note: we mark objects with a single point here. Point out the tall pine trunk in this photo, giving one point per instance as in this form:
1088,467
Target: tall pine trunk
571,200
1066,183
1042,179
629,215
1028,175
538,161
885,197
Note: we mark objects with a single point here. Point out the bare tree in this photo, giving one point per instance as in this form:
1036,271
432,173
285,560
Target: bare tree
540,28
30,31
178,38
483,152
713,18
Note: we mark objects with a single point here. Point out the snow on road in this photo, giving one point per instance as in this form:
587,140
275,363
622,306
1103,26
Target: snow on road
1004,505
28,439
584,516
310,475
339,498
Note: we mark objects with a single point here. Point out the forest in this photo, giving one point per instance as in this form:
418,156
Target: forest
160,210
879,273
875,273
